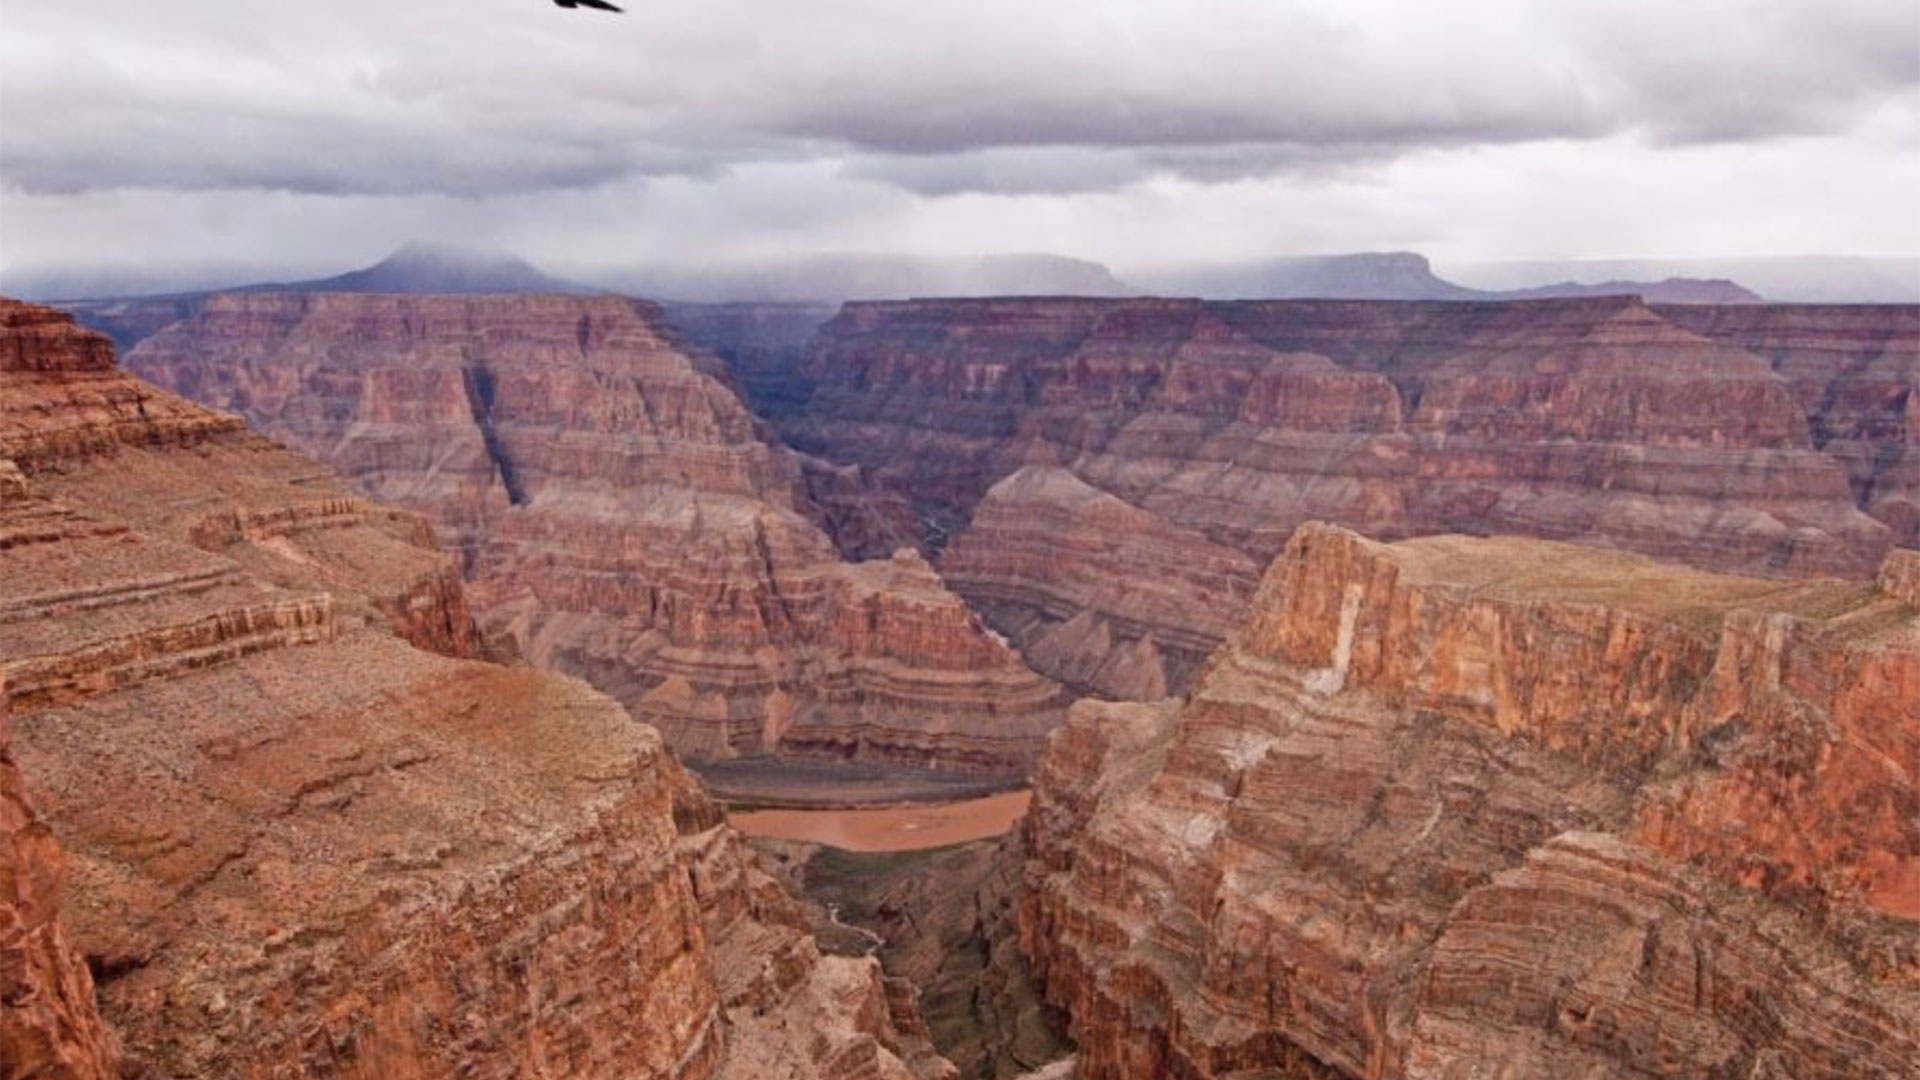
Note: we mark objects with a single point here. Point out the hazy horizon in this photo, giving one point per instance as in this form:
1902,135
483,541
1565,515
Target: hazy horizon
1135,134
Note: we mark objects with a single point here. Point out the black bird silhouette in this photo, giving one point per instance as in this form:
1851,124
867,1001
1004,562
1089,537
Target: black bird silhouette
598,5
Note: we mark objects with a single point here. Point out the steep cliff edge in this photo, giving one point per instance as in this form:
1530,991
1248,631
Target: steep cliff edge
1855,369
1455,807
944,920
1601,421
1100,594
49,1026
621,517
300,843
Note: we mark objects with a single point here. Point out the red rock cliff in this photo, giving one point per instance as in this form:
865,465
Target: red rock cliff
1456,807
49,1026
1598,420
1855,369
299,845
1108,597
623,519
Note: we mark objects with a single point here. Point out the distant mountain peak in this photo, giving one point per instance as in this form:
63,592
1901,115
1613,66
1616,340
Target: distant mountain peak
442,253
1673,290
425,266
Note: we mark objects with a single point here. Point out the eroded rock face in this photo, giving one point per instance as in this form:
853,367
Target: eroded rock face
49,1026
288,847
1100,594
944,921
1855,369
622,518
300,844
1601,421
790,1010
1452,807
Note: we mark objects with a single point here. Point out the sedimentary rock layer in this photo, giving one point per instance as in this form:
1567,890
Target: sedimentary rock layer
1855,369
49,1026
621,517
1098,593
299,843
1456,807
1598,420
943,920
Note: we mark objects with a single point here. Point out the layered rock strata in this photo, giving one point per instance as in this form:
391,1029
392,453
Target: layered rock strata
1454,807
1601,421
944,921
622,517
299,844
1593,420
764,346
49,1026
1100,594
1855,369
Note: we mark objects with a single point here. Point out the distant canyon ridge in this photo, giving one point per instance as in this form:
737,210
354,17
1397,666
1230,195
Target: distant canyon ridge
835,278
903,535
1406,687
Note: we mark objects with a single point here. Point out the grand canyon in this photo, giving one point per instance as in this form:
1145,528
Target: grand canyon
1405,689
864,540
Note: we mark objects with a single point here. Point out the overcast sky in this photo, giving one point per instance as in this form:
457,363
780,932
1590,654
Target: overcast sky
1139,132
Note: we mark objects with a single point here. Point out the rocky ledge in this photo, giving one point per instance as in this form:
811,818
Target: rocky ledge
1456,807
624,518
300,837
1755,439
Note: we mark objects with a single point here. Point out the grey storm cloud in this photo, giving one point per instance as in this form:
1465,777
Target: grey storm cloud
474,98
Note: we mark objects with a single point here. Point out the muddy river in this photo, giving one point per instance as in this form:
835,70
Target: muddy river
891,828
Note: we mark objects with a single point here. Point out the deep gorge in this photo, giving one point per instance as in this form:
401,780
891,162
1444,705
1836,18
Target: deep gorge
1406,689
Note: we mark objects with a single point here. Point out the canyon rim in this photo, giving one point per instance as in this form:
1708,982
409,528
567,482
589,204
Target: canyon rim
939,541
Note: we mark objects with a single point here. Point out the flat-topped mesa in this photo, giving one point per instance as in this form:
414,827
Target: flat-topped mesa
622,517
1809,727
45,340
236,498
1619,662
1591,653
1098,593
1507,804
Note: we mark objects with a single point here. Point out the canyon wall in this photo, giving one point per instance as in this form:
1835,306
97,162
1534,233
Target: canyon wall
1107,597
944,919
49,1025
1855,369
303,835
623,517
1601,421
1458,807
763,344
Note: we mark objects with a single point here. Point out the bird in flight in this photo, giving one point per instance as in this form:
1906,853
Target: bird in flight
599,5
